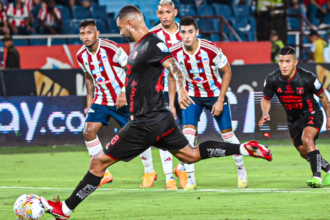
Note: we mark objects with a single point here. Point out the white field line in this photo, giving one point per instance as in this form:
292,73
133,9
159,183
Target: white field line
255,190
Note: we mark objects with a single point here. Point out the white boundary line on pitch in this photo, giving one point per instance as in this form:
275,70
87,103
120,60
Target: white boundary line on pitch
256,190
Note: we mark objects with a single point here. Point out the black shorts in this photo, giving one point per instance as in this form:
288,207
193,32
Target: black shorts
176,105
296,128
134,138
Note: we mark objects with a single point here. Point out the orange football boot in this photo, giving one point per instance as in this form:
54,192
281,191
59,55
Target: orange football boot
183,177
171,185
107,178
149,179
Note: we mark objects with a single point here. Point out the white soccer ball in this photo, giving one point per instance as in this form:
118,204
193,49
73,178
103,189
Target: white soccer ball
28,206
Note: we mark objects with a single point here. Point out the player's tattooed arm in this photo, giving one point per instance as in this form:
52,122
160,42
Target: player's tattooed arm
90,90
176,72
265,108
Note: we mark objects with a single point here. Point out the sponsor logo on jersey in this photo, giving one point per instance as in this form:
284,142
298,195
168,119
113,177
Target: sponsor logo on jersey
300,90
162,47
84,56
96,71
194,61
311,121
279,90
291,98
291,106
181,57
165,134
206,61
310,106
196,71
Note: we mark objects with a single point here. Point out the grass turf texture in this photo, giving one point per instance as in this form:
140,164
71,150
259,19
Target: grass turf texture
277,189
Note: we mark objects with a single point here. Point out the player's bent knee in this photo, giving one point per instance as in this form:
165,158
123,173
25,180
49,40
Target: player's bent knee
307,139
89,133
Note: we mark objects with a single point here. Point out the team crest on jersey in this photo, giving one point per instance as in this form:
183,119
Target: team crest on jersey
104,59
198,79
162,47
100,79
300,90
206,61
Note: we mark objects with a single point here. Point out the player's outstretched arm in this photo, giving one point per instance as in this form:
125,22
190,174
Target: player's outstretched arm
90,90
326,105
265,108
175,70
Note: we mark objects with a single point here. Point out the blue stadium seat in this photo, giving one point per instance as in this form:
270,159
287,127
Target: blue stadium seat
291,40
74,25
242,11
112,26
65,12
215,37
187,1
187,10
99,12
205,10
80,12
294,23
101,26
20,42
244,29
326,19
292,11
59,41
223,10
38,42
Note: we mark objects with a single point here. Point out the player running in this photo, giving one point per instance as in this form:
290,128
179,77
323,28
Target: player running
151,123
201,61
168,31
103,63
295,88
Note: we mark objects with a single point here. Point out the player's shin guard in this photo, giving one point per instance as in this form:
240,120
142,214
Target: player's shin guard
88,185
146,158
315,160
209,149
230,137
325,166
167,161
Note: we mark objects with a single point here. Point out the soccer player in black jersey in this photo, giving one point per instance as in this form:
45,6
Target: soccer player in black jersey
151,123
295,88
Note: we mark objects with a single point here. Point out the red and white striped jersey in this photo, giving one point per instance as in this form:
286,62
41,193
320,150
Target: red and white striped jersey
16,15
201,70
106,67
28,3
169,40
47,17
3,17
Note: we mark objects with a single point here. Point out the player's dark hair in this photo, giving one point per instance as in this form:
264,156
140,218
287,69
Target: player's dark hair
127,10
86,22
287,50
186,21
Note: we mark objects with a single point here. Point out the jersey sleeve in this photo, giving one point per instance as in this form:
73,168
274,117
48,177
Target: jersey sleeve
220,60
120,57
268,89
315,85
158,52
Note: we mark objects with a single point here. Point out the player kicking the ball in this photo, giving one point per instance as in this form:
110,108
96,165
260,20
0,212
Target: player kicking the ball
201,61
103,63
295,88
151,123
168,31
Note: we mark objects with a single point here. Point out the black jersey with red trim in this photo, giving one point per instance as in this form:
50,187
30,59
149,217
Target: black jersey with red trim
296,94
144,77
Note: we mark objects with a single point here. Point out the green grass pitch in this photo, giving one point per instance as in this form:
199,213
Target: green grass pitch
277,189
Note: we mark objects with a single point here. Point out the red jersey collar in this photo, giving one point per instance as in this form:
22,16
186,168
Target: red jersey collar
142,38
295,74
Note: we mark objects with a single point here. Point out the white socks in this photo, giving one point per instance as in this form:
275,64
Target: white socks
167,161
94,147
65,209
230,137
190,133
146,158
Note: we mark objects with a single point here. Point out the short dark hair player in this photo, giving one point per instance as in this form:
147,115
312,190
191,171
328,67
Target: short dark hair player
295,88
